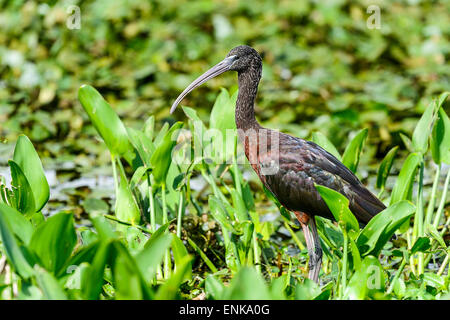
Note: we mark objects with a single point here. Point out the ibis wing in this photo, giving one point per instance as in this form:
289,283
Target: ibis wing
302,164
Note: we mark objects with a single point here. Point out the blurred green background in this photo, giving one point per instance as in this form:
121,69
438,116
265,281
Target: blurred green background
324,69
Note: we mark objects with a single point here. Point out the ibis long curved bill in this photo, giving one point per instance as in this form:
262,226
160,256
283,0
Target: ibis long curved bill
218,69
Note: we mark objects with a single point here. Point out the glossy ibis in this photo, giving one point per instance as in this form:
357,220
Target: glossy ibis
288,166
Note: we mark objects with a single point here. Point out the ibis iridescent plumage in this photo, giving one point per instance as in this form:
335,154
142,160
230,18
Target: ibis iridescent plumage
288,166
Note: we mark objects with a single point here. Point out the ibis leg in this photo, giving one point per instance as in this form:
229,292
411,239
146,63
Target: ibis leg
314,249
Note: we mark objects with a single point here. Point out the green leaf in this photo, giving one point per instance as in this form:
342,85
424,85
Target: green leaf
168,290
423,129
403,187
26,157
127,208
23,196
128,281
107,122
50,287
248,285
214,288
93,281
53,241
142,144
366,281
440,139
338,205
179,252
308,290
162,157
383,226
352,153
20,225
320,139
152,255
12,248
385,167
422,244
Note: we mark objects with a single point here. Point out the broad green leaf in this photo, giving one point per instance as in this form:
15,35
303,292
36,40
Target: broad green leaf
385,168
383,226
440,138
54,240
142,144
222,113
162,157
320,139
26,157
12,248
23,196
352,153
308,290
93,281
338,205
152,255
104,228
50,287
423,129
107,123
248,285
127,208
149,127
214,288
422,244
403,187
169,289
179,252
367,280
128,281
20,225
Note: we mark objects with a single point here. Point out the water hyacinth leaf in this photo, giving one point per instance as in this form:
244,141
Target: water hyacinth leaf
128,281
403,187
26,157
162,156
320,139
382,227
161,134
308,290
106,122
222,113
169,289
93,281
50,287
12,248
104,228
23,195
219,214
385,167
143,145
440,138
127,208
54,240
352,152
422,244
179,252
214,288
149,127
368,279
423,129
248,285
152,255
20,226
338,205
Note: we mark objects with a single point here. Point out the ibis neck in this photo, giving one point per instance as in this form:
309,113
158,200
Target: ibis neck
245,104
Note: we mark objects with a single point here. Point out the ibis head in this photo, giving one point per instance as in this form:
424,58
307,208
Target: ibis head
241,59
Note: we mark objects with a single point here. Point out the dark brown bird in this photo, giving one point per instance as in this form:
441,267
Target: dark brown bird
289,166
